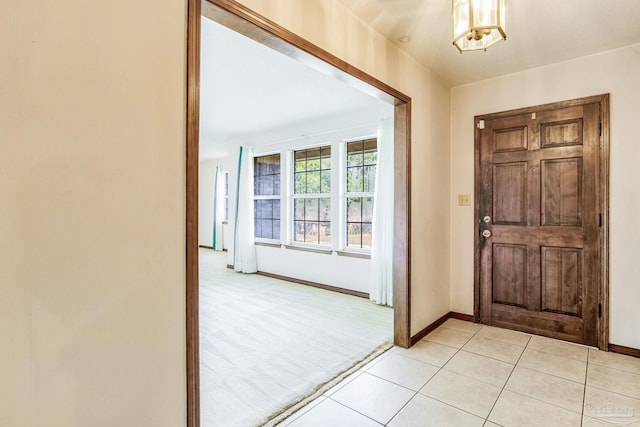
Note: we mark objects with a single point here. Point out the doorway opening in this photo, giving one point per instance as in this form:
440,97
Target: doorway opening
256,27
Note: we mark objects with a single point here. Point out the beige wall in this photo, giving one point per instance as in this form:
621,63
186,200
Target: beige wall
92,113
329,25
614,72
92,201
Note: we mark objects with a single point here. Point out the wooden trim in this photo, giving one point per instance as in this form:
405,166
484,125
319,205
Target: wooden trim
192,157
402,226
604,159
603,325
460,316
211,247
430,328
627,351
315,285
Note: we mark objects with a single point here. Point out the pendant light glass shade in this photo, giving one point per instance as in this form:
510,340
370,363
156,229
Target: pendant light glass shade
477,24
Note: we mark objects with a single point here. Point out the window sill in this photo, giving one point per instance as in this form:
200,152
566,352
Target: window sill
309,249
267,244
354,254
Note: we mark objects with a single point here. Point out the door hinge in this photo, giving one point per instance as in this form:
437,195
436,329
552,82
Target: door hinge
599,310
600,220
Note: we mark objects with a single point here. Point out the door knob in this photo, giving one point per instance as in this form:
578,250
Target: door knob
486,233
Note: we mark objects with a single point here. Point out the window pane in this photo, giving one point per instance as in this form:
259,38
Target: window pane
266,229
313,164
354,209
298,231
369,179
325,163
354,179
326,151
312,154
313,182
276,185
266,186
276,229
300,183
325,181
301,165
276,209
298,209
370,157
311,232
370,145
354,234
355,147
325,233
325,209
265,209
311,212
367,209
274,166
366,236
354,159
256,208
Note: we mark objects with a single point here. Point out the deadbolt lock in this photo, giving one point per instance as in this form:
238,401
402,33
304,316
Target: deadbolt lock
487,219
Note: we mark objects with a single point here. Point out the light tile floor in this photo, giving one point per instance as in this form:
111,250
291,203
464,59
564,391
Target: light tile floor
464,374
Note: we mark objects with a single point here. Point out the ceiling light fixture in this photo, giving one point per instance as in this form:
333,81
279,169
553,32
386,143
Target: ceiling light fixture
477,24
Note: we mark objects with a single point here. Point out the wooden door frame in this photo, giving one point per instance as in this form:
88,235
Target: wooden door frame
603,204
245,21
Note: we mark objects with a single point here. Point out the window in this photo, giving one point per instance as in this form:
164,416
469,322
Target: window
361,163
266,191
312,195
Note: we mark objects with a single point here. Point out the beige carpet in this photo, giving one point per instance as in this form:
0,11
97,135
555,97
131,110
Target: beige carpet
266,344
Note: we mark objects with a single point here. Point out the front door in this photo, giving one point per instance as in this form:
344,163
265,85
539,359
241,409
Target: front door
539,212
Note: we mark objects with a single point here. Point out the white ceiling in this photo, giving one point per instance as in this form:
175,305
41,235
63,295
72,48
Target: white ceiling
539,32
249,93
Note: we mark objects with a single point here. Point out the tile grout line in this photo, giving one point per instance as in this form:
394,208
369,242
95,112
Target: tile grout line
436,373
584,393
509,377
403,406
458,350
354,410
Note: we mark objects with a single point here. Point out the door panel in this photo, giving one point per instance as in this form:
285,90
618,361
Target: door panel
509,274
562,280
562,197
539,257
509,193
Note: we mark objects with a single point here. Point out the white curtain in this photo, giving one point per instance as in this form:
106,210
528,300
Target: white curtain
218,209
244,250
381,291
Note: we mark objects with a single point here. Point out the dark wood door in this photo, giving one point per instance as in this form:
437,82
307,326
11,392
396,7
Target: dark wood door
539,221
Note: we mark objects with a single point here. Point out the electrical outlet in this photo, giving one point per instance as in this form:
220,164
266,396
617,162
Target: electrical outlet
464,200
